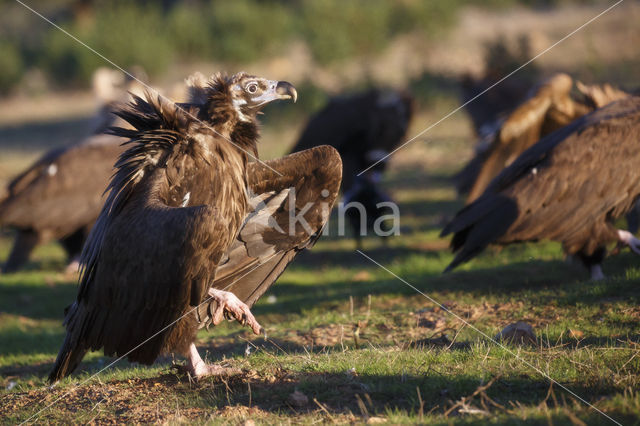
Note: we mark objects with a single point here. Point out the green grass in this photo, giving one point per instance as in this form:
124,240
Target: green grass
359,343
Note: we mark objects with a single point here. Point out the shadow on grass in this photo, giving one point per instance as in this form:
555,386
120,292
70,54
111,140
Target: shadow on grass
546,279
43,302
18,342
326,394
363,396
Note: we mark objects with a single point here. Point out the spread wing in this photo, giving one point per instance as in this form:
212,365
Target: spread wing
270,239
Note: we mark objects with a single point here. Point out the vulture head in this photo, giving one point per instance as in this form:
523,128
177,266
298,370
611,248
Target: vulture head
247,94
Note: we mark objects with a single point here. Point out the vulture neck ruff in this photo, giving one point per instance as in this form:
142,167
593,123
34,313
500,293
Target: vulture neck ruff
225,114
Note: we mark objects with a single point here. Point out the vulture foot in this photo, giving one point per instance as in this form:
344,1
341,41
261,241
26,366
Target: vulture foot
197,368
627,238
596,272
229,304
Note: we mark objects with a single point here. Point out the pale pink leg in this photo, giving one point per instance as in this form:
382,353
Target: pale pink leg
228,302
628,238
596,273
198,368
74,266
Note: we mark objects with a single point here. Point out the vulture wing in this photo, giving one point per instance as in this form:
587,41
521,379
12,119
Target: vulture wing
567,187
271,236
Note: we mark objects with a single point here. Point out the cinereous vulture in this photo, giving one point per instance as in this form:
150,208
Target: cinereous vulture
364,128
192,230
60,196
569,187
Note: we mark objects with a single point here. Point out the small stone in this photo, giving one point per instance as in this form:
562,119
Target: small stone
519,333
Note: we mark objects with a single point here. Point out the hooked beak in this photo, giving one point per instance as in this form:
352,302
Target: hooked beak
285,90
277,90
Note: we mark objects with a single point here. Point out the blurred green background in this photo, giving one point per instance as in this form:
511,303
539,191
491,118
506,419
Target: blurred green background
155,34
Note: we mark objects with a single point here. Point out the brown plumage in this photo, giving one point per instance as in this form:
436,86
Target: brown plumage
60,196
183,224
549,108
364,128
569,187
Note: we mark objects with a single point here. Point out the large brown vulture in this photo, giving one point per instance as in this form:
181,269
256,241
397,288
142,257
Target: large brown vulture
192,230
59,197
569,187
549,108
364,128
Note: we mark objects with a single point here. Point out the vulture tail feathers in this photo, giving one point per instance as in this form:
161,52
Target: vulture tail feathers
479,225
72,350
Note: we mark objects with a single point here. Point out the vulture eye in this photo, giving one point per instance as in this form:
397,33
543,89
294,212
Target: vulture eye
252,88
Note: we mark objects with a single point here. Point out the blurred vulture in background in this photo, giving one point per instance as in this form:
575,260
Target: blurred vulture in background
569,187
549,108
364,128
60,196
192,230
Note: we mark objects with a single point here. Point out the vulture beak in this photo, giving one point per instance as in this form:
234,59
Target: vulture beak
285,90
277,90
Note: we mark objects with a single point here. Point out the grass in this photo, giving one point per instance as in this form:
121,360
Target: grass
360,345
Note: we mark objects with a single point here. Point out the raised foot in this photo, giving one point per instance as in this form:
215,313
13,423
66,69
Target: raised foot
229,304
630,240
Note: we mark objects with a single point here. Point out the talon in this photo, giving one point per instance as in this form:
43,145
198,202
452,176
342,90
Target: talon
230,307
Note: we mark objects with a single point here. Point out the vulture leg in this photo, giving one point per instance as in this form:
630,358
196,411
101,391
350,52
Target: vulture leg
73,266
593,262
226,304
25,242
198,368
596,272
73,246
627,238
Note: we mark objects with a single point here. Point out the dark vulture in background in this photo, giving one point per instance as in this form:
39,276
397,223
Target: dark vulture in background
549,108
60,196
192,230
569,187
364,128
